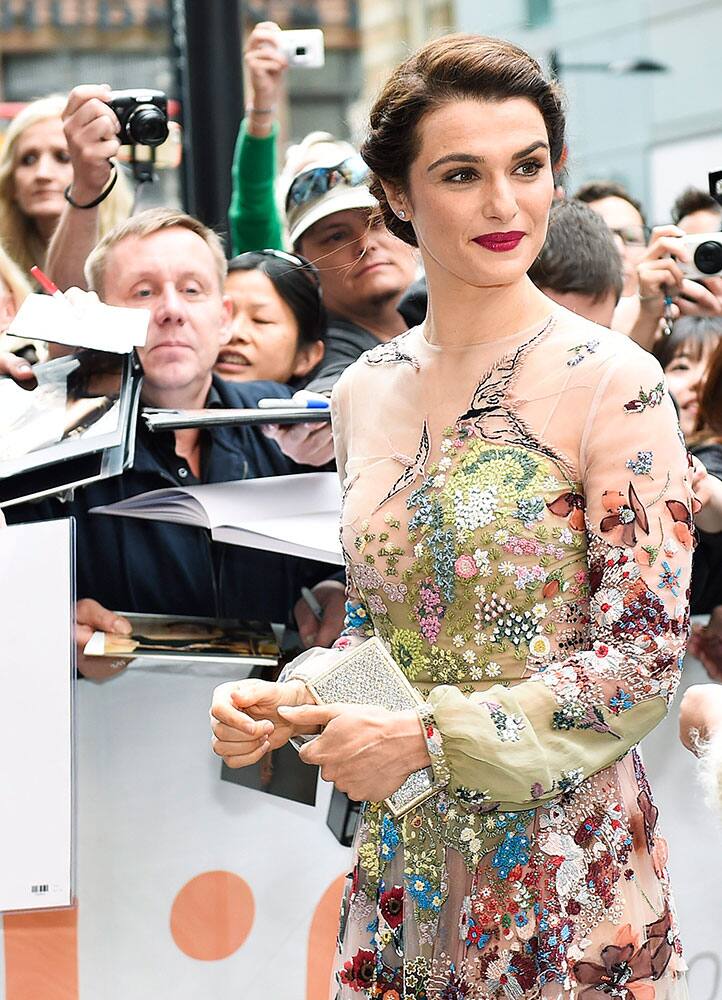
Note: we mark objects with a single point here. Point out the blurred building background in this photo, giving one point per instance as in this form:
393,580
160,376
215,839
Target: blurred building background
656,133
653,132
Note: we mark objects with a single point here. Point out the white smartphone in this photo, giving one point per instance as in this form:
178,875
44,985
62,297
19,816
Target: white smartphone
303,48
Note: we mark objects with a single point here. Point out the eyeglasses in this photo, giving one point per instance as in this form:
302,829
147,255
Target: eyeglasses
633,236
290,258
318,181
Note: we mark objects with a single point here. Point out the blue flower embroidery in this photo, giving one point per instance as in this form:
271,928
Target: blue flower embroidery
426,896
512,851
669,578
389,839
642,464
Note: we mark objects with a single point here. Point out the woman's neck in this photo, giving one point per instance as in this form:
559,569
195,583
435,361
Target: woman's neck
459,313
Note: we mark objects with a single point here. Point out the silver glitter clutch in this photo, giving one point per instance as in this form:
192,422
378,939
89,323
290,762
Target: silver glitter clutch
369,675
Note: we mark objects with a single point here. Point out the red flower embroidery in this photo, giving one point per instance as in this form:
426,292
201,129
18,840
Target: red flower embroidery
360,972
570,505
624,514
391,905
625,965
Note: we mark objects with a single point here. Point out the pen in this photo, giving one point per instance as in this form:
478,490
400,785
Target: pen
47,284
292,404
313,604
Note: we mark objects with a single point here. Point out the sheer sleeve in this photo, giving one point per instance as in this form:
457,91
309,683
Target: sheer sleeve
574,716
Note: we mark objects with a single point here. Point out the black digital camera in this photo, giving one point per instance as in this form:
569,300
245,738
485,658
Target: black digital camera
143,116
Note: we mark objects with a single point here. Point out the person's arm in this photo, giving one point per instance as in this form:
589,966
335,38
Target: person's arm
708,491
576,715
91,132
253,216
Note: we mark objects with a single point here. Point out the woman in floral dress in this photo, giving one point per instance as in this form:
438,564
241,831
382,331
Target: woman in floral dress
517,520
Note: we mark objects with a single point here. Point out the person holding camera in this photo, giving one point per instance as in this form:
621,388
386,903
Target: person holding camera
37,166
253,217
91,130
661,274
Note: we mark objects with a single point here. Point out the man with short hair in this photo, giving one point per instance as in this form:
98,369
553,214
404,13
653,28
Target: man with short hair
579,265
333,220
695,212
172,265
624,216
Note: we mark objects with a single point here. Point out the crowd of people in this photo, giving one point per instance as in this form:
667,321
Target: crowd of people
331,261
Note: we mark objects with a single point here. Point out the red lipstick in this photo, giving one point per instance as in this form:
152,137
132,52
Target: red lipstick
499,242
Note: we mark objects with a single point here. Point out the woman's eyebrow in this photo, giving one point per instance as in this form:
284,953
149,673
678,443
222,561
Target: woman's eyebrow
455,158
470,158
530,149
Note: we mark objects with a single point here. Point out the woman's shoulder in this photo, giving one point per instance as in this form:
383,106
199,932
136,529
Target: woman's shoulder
373,365
587,347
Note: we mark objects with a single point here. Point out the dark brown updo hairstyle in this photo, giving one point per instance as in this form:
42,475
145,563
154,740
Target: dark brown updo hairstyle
451,68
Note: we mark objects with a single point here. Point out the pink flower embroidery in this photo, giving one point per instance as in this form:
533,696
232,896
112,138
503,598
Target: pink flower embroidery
465,567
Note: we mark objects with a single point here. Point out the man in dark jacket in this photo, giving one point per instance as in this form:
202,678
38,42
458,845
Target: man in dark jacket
171,264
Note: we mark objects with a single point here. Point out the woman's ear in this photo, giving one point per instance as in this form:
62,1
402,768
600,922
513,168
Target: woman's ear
397,201
307,357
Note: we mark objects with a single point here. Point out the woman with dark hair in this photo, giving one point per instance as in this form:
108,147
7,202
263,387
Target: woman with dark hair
517,524
279,320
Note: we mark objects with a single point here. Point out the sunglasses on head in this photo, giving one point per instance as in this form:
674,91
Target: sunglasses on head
318,181
301,263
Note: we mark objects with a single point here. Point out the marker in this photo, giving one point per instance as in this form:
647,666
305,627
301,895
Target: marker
47,284
313,604
293,404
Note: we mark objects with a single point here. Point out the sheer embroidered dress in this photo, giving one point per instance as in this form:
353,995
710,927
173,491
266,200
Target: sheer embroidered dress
518,528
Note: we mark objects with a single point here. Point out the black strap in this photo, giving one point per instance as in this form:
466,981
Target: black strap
101,197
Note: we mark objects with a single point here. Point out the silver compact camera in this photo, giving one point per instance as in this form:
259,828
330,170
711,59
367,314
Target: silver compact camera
706,251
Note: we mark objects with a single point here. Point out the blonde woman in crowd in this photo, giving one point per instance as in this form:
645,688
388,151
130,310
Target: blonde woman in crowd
35,170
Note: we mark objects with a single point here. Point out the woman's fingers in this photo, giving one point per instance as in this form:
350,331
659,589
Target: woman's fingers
254,731
231,757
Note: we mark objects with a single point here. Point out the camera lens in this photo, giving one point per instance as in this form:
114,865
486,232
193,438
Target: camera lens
708,257
148,126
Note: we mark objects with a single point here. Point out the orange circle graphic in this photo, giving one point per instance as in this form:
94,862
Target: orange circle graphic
212,915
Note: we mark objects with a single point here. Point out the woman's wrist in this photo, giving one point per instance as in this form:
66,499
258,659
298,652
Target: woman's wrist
298,692
415,751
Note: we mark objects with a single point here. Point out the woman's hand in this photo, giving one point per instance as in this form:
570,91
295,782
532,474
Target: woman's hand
245,720
367,752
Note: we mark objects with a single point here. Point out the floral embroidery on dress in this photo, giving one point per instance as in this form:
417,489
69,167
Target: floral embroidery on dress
642,464
489,575
624,514
580,351
652,397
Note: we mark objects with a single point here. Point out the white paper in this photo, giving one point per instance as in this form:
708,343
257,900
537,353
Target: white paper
295,514
92,324
36,716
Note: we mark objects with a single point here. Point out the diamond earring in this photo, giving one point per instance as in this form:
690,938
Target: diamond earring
402,214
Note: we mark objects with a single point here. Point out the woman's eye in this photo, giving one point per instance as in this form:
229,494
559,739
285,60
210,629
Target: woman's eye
461,176
529,169
63,156
142,293
679,366
28,160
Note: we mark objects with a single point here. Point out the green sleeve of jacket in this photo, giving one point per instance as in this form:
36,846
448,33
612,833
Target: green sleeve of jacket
253,217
